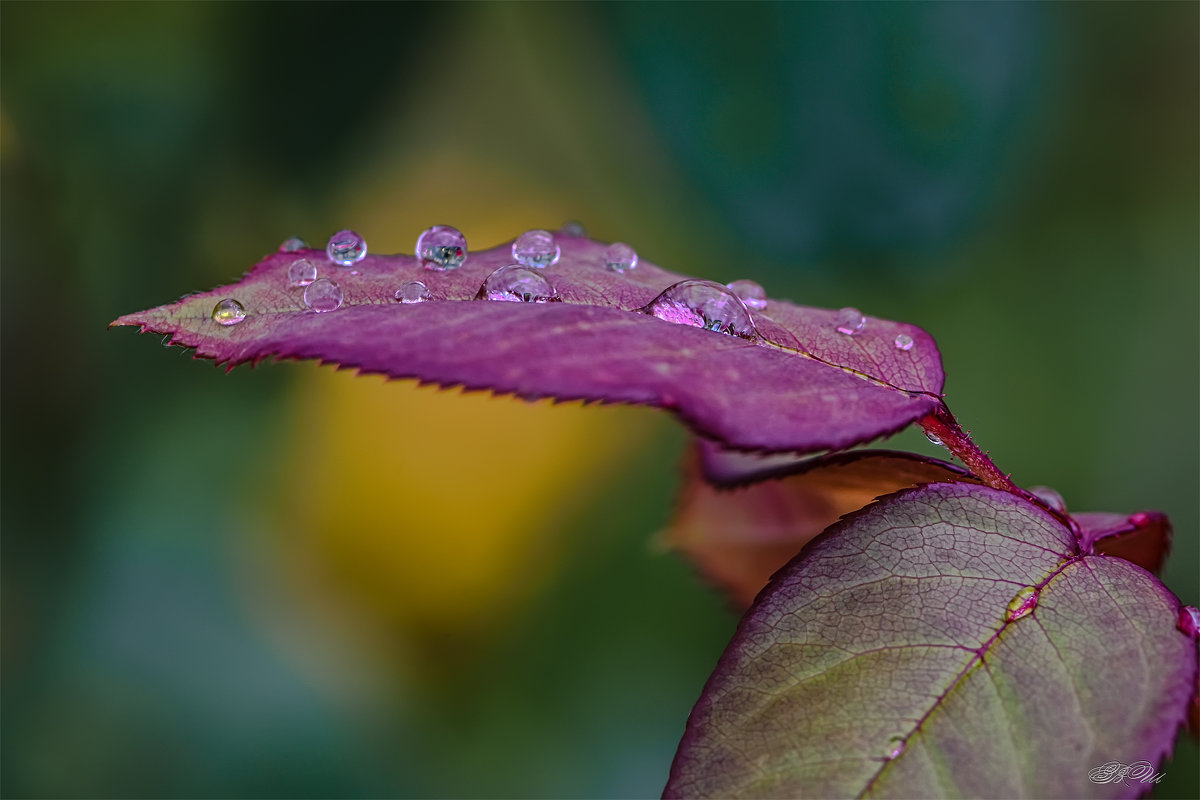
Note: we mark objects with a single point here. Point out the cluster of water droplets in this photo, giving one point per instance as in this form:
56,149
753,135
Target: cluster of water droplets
703,304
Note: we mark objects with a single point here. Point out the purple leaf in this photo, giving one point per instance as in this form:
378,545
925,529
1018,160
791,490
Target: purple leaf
949,640
756,518
795,383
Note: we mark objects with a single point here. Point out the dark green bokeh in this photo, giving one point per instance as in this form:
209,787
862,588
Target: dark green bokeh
1041,223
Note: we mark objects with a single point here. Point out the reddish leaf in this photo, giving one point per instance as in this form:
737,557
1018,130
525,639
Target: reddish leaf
949,640
1143,538
799,385
740,532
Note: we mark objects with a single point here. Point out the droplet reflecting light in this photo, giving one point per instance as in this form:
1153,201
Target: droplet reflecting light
441,248
412,292
302,272
293,244
536,249
850,321
904,342
346,248
1023,603
323,295
229,312
620,257
518,284
703,304
934,439
1189,621
1050,497
750,293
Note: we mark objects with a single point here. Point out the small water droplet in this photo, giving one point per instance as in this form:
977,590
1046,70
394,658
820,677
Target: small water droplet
750,293
413,292
442,247
1139,519
1189,621
934,439
518,284
293,244
620,257
896,745
703,304
323,295
229,312
574,229
346,248
1051,498
850,321
536,249
904,341
1023,603
302,272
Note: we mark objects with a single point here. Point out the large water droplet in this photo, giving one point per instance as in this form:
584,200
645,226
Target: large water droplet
413,292
229,312
346,248
620,257
323,295
1023,603
536,249
1189,621
574,229
750,293
703,304
849,321
302,272
293,244
1050,497
442,248
904,341
517,284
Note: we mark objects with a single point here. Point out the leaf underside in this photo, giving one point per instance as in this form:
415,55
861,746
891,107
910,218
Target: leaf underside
739,532
883,662
799,386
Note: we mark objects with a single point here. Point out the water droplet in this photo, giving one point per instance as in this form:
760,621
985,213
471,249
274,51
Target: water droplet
896,747
302,272
850,321
1139,519
1189,621
517,284
323,295
293,244
442,248
346,248
574,229
904,341
413,292
703,304
1050,497
536,249
750,293
229,312
620,257
933,437
1023,603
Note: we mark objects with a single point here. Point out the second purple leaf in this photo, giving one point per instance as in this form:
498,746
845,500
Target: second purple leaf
567,317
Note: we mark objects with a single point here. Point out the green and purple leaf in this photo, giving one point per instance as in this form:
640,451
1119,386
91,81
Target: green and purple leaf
949,640
796,385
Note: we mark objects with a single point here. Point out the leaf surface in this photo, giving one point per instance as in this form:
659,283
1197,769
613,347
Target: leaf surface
949,640
798,386
755,519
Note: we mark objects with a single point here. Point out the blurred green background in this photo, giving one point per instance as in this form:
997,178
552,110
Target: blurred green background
288,581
